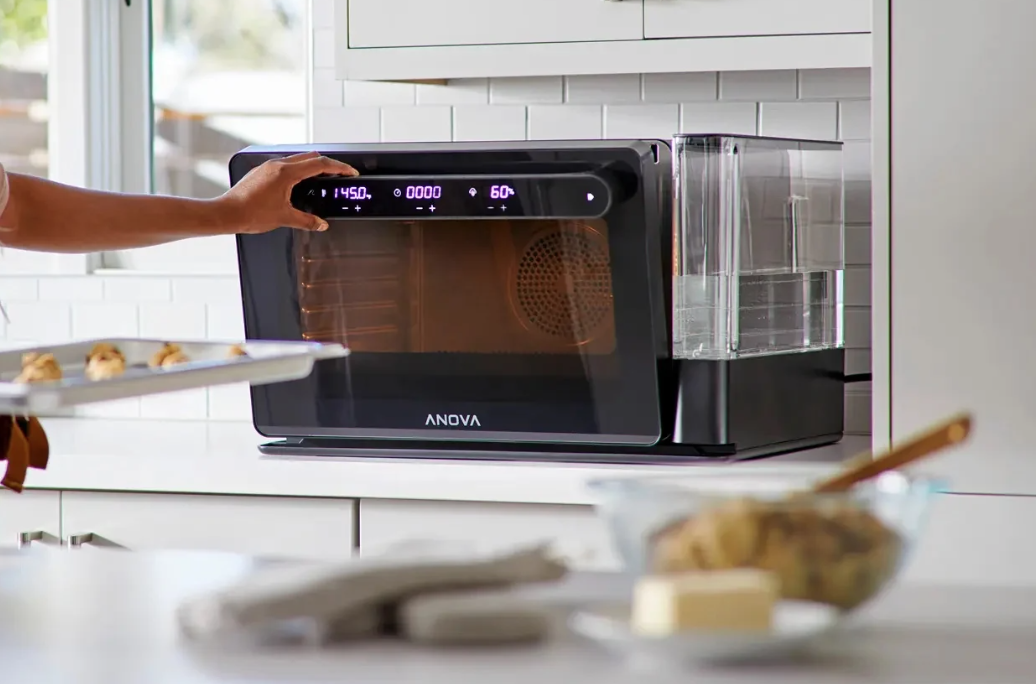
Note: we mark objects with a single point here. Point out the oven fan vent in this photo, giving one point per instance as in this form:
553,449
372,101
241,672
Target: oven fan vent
563,285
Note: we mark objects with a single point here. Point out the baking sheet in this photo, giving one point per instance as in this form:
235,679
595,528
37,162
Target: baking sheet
210,364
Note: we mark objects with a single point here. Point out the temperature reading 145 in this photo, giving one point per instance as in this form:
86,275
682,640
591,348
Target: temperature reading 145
501,191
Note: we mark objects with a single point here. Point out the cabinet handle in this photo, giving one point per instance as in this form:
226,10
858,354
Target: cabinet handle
76,541
27,538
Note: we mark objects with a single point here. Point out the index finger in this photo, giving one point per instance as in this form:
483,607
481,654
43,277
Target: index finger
314,166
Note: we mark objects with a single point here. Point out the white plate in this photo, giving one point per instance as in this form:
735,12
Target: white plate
796,624
209,365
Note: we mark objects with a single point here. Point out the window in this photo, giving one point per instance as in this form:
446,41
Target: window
147,96
224,75
24,54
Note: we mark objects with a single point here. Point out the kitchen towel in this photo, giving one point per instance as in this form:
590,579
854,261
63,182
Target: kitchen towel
473,617
340,596
24,445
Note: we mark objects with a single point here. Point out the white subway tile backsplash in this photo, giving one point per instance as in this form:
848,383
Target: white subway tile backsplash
854,120
186,405
641,121
718,117
207,291
431,123
858,245
834,84
349,124
324,48
378,93
21,262
230,402
858,409
858,203
857,361
72,289
758,86
810,120
131,289
857,283
225,322
565,122
602,89
11,345
173,321
116,410
857,160
43,322
19,289
526,91
327,90
456,92
488,122
858,327
675,88
94,321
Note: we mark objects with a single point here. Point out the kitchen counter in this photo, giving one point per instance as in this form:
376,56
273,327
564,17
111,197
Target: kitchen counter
221,458
107,617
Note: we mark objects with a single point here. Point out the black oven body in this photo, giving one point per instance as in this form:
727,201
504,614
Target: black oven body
505,300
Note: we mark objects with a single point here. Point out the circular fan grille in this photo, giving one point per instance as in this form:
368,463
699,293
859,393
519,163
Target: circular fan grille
563,284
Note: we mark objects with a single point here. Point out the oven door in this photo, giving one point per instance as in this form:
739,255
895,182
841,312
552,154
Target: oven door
476,307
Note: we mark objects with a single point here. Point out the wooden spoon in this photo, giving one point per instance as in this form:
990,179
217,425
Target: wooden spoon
949,433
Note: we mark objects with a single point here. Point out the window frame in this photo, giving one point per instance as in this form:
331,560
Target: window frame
99,94
94,87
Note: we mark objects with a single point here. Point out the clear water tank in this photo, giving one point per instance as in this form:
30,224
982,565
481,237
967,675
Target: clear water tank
758,253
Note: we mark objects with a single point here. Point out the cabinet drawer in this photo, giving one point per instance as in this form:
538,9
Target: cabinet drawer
36,515
717,18
266,526
575,532
414,23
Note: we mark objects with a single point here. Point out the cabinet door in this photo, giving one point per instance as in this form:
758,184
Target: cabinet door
29,518
413,23
715,18
263,526
574,532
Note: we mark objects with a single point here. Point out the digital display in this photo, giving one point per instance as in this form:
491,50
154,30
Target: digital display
578,195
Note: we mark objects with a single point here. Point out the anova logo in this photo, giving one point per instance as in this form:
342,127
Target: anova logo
451,420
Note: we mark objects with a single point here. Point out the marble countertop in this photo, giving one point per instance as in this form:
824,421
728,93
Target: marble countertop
222,458
107,617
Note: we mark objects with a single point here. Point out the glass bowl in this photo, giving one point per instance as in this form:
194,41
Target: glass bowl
837,549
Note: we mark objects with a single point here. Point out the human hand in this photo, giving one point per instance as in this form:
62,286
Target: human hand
261,201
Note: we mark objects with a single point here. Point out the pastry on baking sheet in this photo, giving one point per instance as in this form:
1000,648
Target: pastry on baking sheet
104,362
169,355
37,367
103,348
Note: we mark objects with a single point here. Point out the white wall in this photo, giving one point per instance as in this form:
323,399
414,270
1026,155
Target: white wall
814,104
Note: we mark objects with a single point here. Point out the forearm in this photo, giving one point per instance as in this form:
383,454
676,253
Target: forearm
46,216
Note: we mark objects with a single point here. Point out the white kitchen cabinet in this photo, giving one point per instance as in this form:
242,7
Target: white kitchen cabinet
32,517
438,40
712,18
486,22
575,533
265,526
953,260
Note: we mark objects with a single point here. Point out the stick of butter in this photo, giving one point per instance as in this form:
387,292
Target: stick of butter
739,600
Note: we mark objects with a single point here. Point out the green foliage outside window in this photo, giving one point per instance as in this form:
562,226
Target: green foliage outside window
22,22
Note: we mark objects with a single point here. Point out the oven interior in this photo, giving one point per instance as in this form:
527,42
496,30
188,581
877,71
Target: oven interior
458,286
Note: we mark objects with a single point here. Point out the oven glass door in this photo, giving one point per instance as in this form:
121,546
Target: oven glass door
511,310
